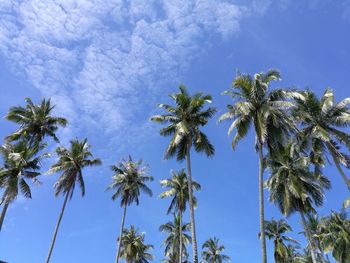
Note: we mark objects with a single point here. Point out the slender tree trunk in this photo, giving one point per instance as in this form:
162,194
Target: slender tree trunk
3,213
261,201
57,227
180,248
343,175
190,193
121,235
308,234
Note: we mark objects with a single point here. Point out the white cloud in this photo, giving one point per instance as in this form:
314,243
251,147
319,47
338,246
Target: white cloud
103,62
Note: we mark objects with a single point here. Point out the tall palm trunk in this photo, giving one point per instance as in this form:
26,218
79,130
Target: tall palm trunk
308,234
57,227
180,248
3,213
261,201
121,235
190,194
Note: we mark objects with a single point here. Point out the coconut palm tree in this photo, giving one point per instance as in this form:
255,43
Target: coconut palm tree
128,181
313,222
21,163
134,249
183,123
276,230
293,187
175,231
178,190
36,122
322,121
255,104
212,252
335,235
293,254
71,163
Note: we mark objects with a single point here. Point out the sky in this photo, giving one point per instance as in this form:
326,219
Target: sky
106,64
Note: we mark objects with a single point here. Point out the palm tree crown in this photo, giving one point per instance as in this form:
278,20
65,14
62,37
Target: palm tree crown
335,235
321,122
134,249
129,181
212,252
20,163
255,104
71,163
184,122
276,230
292,185
178,190
175,231
36,121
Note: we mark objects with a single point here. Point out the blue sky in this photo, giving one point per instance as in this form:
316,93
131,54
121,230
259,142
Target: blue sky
107,63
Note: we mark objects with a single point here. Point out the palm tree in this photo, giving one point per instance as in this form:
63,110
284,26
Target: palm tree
293,187
177,188
313,223
322,121
71,163
335,236
36,122
184,121
212,252
254,104
293,255
129,181
134,249
276,230
21,163
176,231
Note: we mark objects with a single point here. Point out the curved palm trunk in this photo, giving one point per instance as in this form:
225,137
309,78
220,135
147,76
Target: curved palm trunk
57,227
180,248
190,193
308,234
3,213
343,175
261,201
120,235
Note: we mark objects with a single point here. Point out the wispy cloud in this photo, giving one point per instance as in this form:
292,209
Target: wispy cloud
101,61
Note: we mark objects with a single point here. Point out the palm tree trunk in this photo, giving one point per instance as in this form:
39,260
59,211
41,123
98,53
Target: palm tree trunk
308,234
261,200
57,227
343,175
120,235
3,213
180,248
190,194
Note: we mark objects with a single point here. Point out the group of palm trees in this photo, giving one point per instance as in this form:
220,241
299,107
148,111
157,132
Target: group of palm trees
297,134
